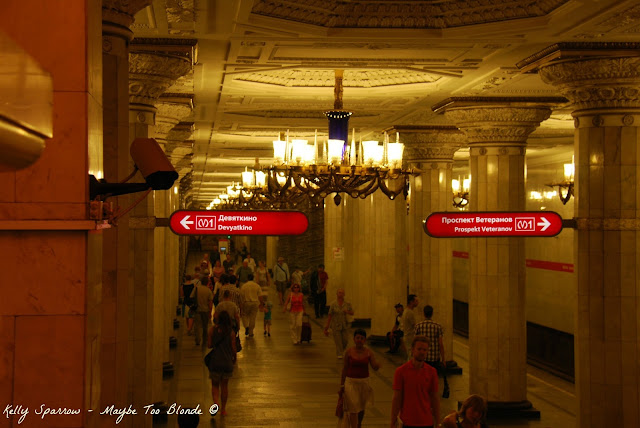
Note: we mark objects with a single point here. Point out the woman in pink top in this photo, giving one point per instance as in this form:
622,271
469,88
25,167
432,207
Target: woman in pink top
356,392
295,305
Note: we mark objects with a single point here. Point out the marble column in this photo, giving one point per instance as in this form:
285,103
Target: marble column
117,277
603,82
51,281
150,74
335,237
430,150
497,131
365,253
170,110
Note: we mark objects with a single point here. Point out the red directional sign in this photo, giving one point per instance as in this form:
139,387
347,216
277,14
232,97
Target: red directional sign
238,222
493,224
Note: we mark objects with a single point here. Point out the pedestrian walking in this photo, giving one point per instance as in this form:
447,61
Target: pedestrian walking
357,393
337,322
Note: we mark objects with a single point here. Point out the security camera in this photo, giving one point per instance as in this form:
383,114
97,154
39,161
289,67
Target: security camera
153,163
149,158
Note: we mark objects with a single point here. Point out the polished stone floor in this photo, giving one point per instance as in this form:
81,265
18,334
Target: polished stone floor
277,384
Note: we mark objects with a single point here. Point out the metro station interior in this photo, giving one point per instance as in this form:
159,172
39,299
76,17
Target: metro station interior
116,114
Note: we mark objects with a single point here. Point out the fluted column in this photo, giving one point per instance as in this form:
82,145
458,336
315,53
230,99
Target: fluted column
430,149
116,366
335,241
170,109
497,130
150,74
603,82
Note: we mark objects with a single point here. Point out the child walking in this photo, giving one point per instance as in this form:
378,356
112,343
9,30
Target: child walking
265,306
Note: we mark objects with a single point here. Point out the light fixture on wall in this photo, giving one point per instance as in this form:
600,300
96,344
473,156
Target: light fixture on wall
565,187
460,192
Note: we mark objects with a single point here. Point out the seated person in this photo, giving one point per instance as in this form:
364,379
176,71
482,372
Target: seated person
394,337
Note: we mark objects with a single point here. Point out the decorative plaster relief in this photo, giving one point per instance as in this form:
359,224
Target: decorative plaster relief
394,14
181,16
151,74
326,78
597,82
622,19
497,124
122,12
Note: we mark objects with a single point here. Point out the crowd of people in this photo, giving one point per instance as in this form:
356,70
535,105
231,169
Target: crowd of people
220,297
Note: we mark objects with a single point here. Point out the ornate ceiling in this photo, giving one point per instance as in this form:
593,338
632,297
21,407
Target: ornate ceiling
265,66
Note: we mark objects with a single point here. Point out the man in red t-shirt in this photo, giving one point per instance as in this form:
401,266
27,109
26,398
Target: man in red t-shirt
415,390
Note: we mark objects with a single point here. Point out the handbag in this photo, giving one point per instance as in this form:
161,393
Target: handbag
348,318
445,390
209,356
193,306
340,406
238,344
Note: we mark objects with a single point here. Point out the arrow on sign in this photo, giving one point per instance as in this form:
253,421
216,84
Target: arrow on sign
186,223
545,224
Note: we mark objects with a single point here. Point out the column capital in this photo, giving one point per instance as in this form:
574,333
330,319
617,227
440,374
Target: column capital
430,143
591,75
151,74
118,15
169,113
497,121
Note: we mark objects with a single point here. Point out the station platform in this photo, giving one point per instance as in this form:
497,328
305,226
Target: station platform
278,384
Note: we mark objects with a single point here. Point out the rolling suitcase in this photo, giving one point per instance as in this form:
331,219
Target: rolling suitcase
305,335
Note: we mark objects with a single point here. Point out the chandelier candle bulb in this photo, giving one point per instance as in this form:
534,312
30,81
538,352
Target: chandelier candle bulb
247,178
385,148
261,179
279,151
352,152
335,151
395,151
315,147
298,151
569,170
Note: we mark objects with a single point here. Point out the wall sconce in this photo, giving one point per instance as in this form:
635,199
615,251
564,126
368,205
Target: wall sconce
565,187
460,195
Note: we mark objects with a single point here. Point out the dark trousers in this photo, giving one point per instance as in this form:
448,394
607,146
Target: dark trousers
395,340
320,304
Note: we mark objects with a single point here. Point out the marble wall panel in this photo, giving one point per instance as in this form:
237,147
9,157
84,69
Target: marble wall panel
60,175
7,357
43,272
60,382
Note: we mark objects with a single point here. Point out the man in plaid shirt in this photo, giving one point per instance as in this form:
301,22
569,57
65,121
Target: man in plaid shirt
433,331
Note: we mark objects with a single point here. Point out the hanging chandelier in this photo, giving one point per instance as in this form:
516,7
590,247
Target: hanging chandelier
252,193
335,166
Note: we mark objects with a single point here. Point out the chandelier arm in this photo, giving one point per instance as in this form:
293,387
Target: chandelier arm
371,185
391,194
370,189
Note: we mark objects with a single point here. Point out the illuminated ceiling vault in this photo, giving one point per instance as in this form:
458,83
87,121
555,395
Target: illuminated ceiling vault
265,66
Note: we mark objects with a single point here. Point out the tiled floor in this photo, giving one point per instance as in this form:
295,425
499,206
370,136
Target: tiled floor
277,384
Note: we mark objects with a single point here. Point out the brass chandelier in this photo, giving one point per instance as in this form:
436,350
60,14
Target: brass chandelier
310,172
